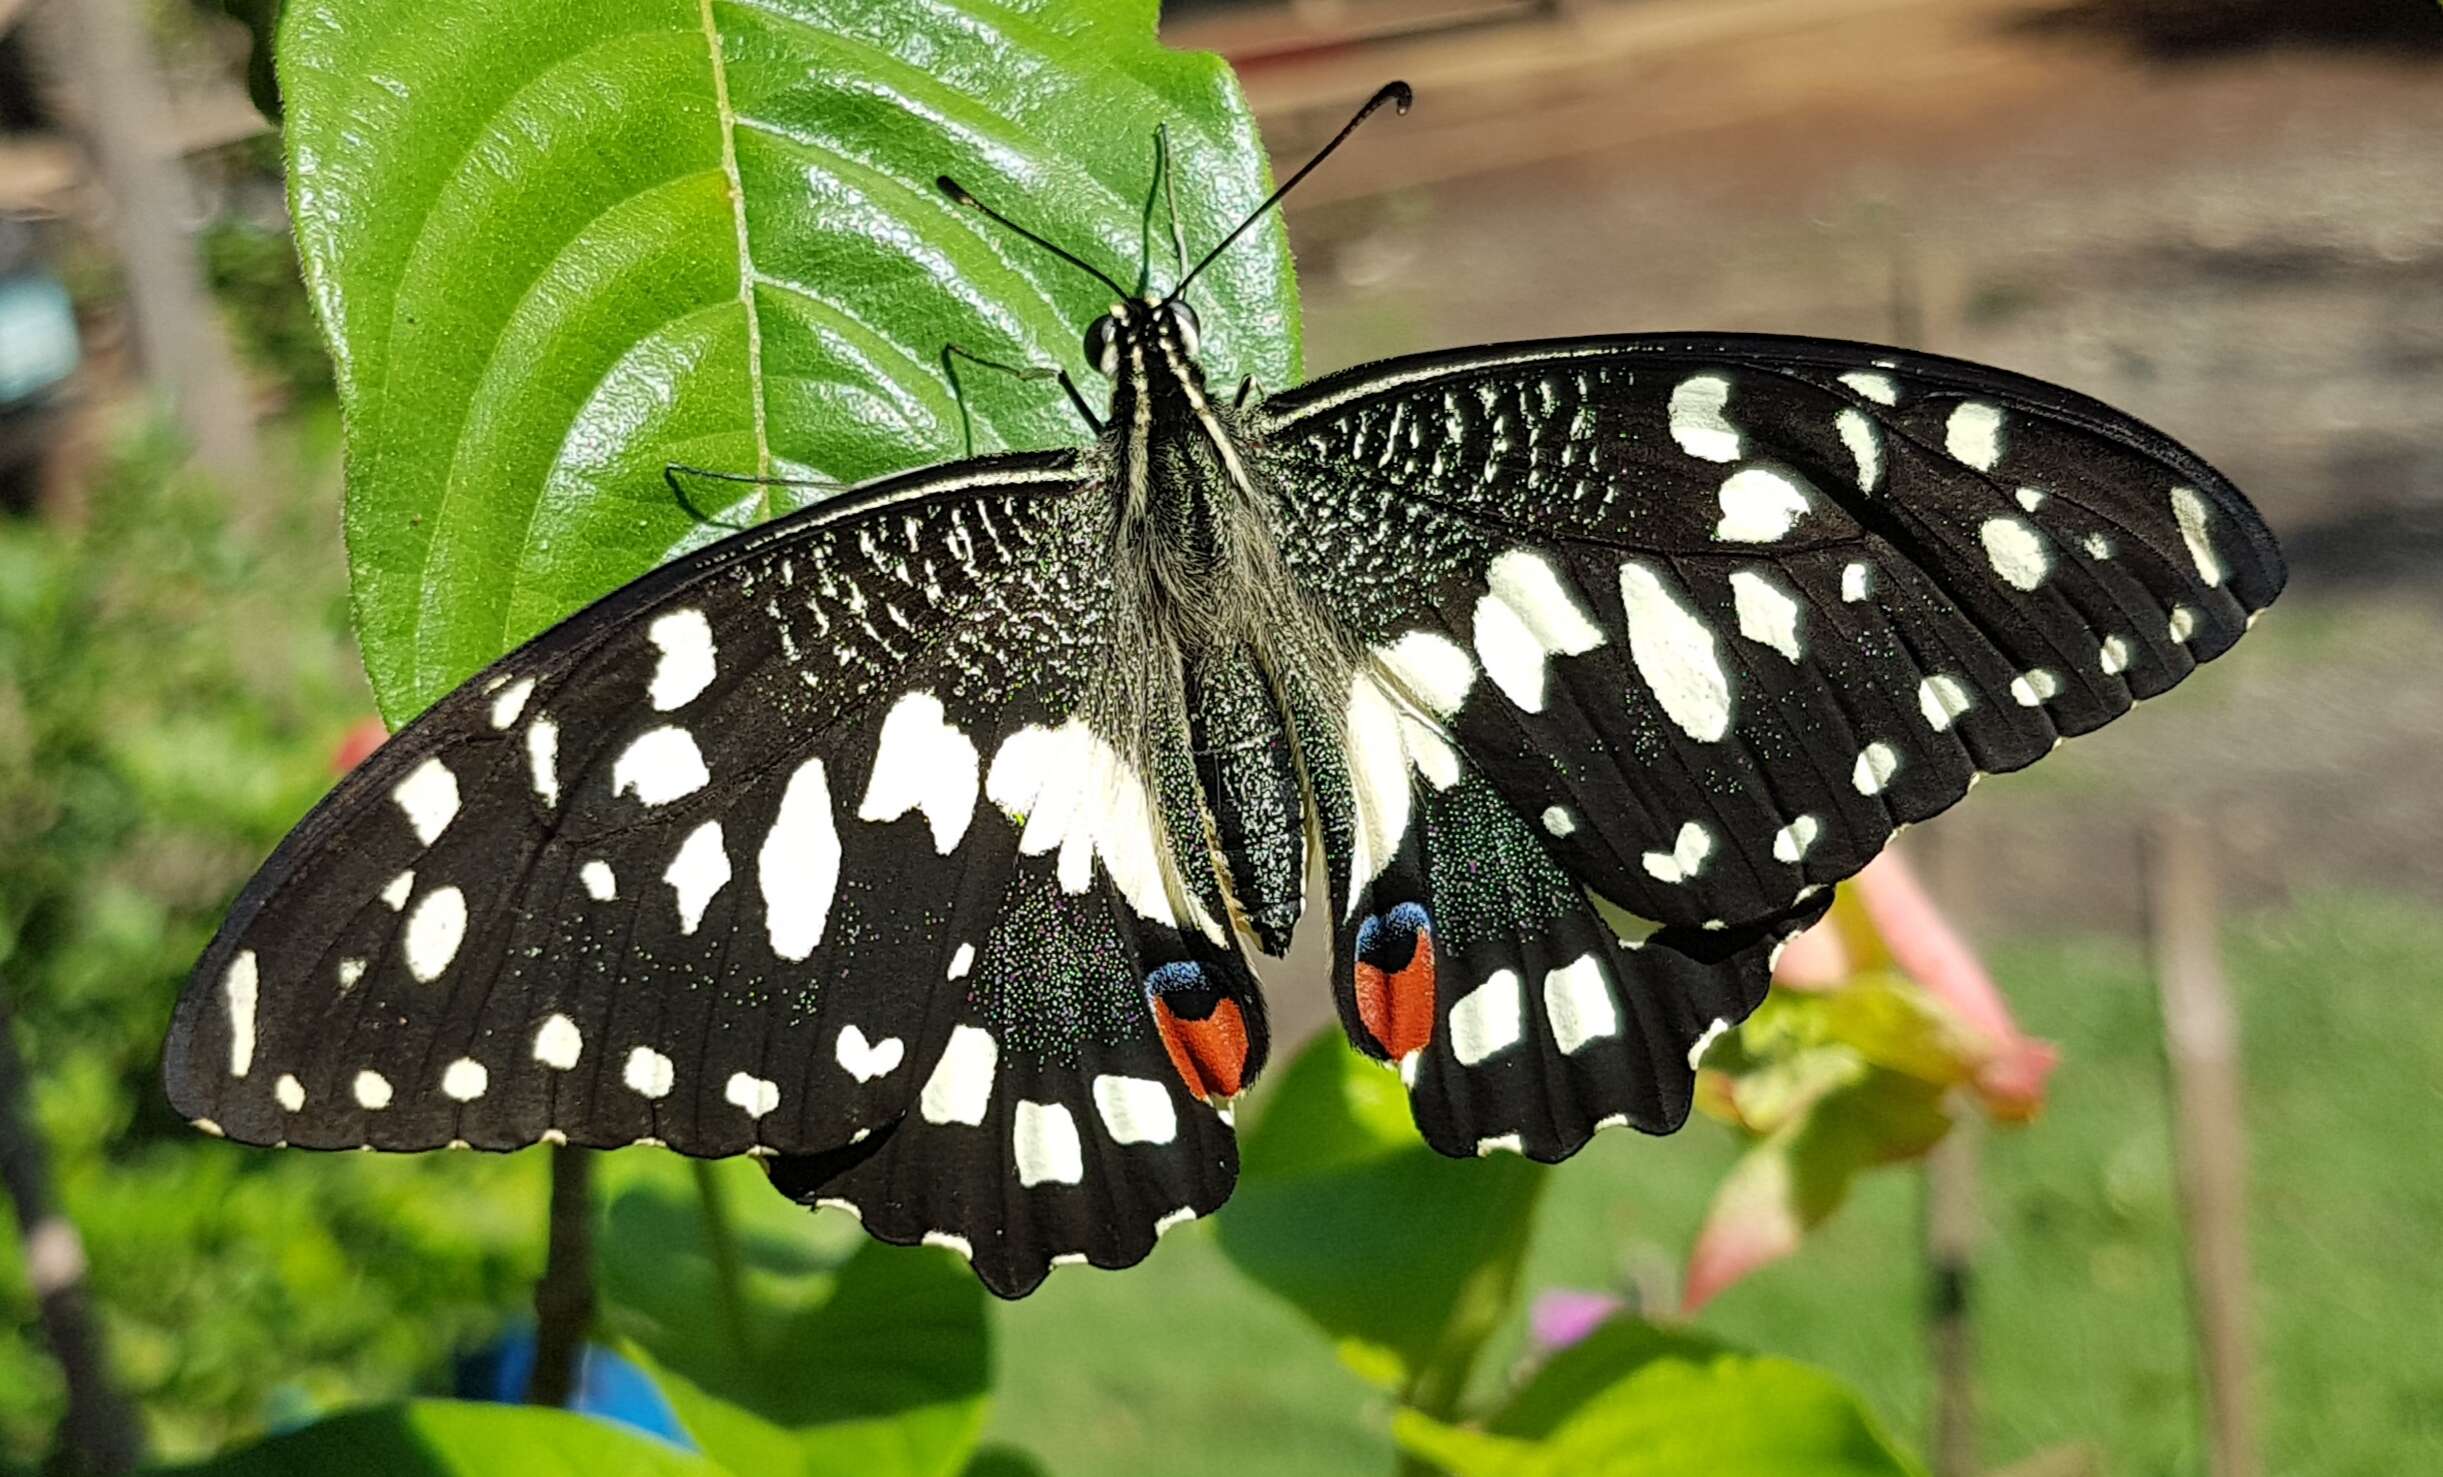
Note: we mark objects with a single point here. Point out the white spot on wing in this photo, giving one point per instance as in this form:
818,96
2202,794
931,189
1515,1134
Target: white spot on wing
1760,504
543,759
1768,614
395,895
1876,387
2031,689
2016,551
1164,1225
1697,422
1043,1138
1378,784
685,667
2030,498
2183,623
1525,614
1135,1110
1713,1033
865,1060
1865,445
1578,1004
962,961
1081,799
465,1080
2189,509
372,1091
961,1085
2114,656
699,871
1674,653
648,1073
798,868
558,1043
511,702
600,884
350,971
1432,668
1855,582
1558,821
950,1241
662,765
1974,434
1500,1143
1687,856
1486,1019
429,796
289,1092
1792,842
751,1095
434,931
922,762
1876,765
1943,699
240,985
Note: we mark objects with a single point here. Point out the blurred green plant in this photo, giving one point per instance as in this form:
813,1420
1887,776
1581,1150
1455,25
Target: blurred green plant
172,682
253,272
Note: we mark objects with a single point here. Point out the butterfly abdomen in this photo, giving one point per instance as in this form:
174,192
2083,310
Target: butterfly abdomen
1250,781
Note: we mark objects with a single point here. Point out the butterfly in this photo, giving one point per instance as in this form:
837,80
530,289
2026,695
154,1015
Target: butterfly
919,842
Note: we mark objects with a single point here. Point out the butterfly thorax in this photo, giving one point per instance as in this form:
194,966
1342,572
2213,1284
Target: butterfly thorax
1200,578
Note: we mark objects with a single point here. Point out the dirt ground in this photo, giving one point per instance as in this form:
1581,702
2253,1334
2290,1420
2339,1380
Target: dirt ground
2243,244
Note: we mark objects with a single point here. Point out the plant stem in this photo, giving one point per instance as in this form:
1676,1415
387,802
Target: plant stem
564,1298
102,1431
729,1268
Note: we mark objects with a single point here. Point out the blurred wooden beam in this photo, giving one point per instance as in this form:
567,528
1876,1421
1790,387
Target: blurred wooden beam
2201,1038
96,52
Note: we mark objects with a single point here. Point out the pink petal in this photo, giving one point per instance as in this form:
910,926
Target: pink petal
357,745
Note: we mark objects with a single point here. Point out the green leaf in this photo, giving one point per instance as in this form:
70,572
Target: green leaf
557,247
1667,1414
875,1359
438,1438
1407,1258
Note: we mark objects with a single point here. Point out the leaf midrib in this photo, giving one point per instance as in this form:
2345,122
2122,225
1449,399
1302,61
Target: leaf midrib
747,274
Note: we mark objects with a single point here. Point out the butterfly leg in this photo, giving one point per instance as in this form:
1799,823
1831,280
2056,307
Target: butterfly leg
951,353
672,472
1246,387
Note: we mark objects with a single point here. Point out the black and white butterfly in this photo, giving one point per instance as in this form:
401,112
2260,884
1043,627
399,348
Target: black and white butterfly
918,842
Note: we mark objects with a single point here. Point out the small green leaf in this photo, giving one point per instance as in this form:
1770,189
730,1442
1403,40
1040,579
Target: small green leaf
1668,1414
845,1356
557,247
1408,1259
441,1438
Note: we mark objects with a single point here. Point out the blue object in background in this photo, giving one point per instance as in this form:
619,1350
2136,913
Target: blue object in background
607,1386
38,344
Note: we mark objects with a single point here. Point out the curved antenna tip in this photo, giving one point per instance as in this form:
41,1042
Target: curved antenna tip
950,187
1399,94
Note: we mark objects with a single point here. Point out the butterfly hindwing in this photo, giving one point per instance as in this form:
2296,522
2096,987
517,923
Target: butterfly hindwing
1466,954
798,845
1720,614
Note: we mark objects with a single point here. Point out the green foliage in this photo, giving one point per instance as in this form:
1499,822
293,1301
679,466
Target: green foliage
1408,1259
446,1438
253,272
1669,1407
173,681
596,240
791,1344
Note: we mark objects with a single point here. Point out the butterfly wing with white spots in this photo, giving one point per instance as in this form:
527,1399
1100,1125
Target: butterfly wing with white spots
1722,613
802,846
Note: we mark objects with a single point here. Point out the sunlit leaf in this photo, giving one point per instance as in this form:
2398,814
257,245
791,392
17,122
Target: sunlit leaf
829,1354
1672,1406
443,1438
557,247
1408,1259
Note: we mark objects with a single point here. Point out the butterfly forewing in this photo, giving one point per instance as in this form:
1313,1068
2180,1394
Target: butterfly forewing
799,846
1718,614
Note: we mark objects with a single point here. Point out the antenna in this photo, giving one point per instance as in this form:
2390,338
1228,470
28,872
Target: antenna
950,187
1397,93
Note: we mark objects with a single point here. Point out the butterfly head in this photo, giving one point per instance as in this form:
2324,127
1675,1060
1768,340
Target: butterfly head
1150,322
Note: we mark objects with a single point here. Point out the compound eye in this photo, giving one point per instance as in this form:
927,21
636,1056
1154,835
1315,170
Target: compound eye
1103,346
1183,319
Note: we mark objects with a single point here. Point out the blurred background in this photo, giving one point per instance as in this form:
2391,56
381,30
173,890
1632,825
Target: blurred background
2225,216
